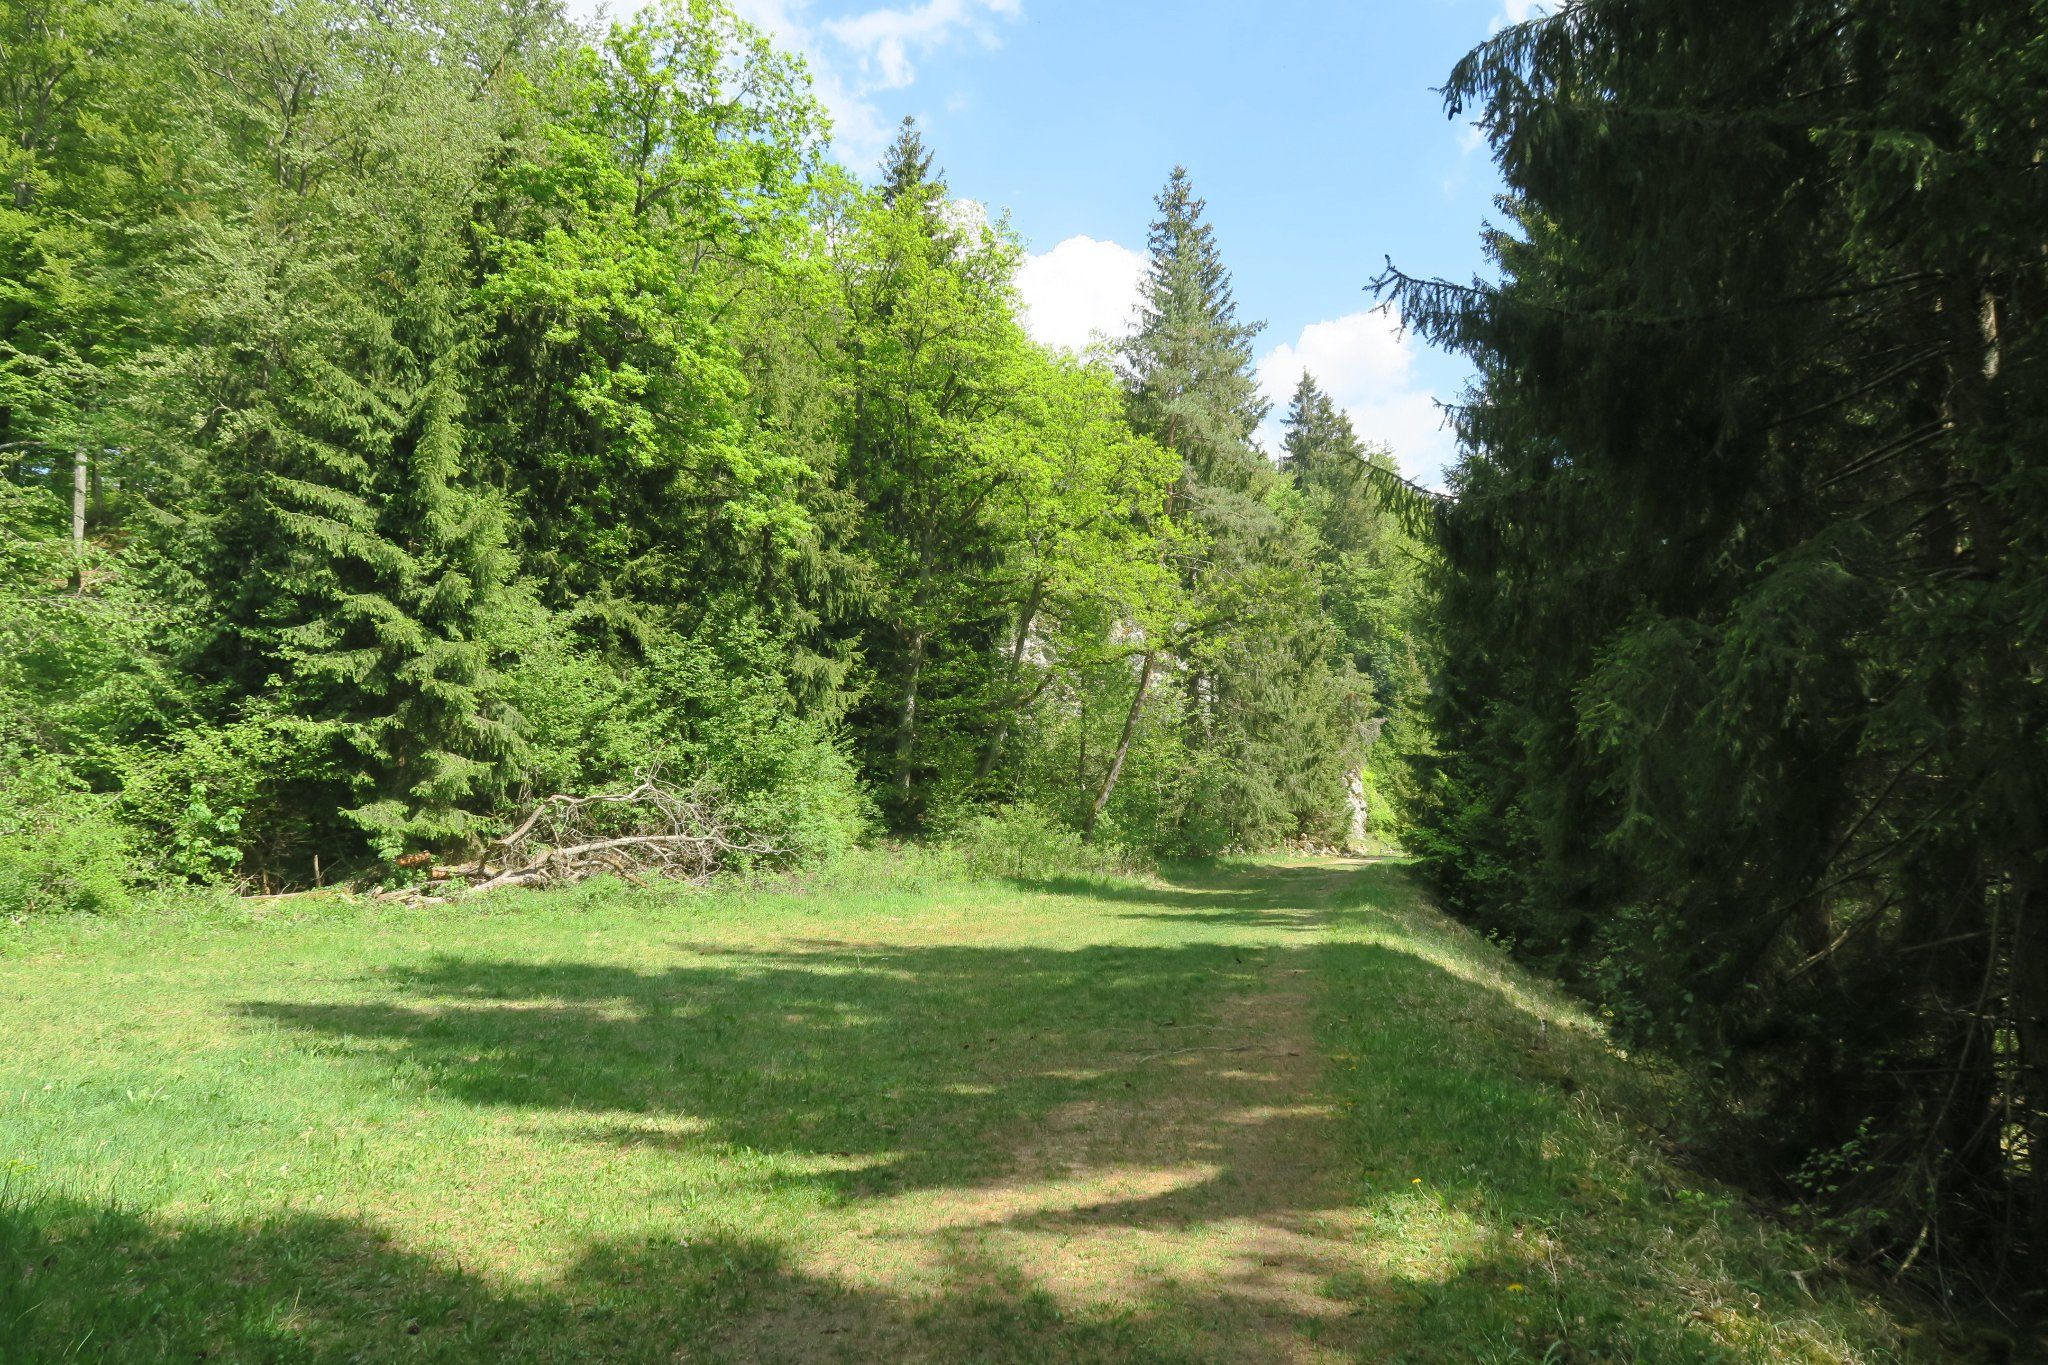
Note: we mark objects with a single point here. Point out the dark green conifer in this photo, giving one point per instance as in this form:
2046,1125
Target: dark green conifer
907,166
1270,721
343,560
1741,611
1194,385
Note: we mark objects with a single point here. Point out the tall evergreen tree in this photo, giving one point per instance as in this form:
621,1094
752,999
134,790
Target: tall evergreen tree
1370,570
1189,365
935,360
1741,619
1269,717
347,562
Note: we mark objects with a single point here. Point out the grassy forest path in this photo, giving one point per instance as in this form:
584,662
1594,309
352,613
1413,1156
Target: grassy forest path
1272,1110
1203,1189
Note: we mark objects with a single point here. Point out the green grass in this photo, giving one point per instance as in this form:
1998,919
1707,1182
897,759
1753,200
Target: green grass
1261,1112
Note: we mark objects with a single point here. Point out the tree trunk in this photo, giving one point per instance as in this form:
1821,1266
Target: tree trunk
905,748
1972,317
1123,746
906,718
1025,616
78,487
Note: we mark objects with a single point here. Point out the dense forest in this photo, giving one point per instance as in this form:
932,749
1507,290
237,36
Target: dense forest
1739,633
415,410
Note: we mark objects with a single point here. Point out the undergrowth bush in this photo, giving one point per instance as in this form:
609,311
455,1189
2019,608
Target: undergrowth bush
1025,841
209,801
712,708
60,848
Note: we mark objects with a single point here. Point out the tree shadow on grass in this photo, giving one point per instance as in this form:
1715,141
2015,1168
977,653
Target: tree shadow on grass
1494,1213
1208,893
933,1063
919,1060
85,1282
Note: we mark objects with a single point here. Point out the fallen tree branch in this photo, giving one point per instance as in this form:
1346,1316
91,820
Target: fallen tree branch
651,829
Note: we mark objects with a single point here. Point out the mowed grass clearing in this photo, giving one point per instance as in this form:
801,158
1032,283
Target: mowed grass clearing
1275,1110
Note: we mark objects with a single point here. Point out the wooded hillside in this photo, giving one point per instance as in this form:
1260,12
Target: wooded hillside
414,411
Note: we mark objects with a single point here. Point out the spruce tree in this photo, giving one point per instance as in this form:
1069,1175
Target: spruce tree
1740,612
1370,572
1189,365
1270,721
347,564
935,361
907,166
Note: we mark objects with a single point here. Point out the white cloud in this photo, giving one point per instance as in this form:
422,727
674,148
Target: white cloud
1079,289
869,54
855,58
1367,366
884,40
1521,11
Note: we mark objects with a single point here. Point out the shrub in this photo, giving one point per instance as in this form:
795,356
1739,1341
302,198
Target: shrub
60,849
711,708
1025,841
252,798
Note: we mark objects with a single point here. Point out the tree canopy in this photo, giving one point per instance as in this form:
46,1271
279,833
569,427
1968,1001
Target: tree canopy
1739,629
458,406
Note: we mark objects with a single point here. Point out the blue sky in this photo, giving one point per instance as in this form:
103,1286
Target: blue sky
1308,125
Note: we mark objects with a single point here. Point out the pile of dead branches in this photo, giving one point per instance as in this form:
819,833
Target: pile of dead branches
653,829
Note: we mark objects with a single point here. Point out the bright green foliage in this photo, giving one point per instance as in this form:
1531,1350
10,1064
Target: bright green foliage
1272,727
474,408
1371,571
60,848
77,675
711,708
65,179
1742,619
666,183
1086,578
656,303
1015,527
466,407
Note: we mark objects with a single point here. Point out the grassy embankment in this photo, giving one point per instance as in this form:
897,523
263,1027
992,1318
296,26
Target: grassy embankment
1262,1112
